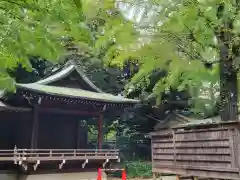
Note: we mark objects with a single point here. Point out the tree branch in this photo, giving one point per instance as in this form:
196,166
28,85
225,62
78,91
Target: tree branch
188,53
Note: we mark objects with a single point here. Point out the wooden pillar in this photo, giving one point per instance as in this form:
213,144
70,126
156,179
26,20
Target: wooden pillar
100,129
177,177
34,138
78,134
81,134
154,176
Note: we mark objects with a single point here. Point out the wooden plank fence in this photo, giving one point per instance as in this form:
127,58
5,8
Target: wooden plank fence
211,152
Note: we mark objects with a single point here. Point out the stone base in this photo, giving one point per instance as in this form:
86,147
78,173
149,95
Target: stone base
6,176
55,176
63,176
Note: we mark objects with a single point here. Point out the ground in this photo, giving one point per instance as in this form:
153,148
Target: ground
163,178
70,176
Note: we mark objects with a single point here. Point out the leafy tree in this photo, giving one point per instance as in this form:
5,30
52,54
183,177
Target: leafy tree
36,28
196,42
45,28
40,68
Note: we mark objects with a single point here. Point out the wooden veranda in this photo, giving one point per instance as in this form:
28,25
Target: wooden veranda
46,122
24,157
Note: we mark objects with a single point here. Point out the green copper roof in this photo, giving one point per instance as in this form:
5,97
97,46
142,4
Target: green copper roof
75,93
67,70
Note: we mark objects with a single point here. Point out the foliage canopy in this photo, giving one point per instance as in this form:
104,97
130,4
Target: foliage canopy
187,39
44,28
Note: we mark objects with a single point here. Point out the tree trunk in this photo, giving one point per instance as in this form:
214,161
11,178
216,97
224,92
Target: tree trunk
228,90
228,73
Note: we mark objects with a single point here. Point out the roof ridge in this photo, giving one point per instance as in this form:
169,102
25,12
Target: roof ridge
63,72
68,68
85,78
54,71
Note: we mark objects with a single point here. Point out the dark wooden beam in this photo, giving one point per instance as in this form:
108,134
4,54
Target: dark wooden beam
68,111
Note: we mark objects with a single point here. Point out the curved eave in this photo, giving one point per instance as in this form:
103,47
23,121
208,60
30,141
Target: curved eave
5,94
57,76
6,107
2,93
87,80
76,93
67,71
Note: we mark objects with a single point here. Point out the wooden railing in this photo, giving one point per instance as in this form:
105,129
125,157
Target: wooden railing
24,157
58,154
